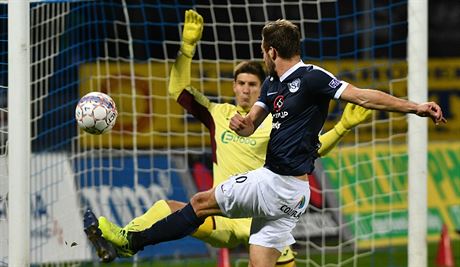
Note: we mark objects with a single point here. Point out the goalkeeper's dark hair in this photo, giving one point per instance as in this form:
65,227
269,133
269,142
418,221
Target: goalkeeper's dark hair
250,67
282,35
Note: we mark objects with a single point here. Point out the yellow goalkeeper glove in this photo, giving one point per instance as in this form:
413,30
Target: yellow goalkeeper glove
351,117
193,28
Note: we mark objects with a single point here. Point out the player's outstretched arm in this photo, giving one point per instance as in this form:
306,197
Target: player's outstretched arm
245,126
193,28
181,69
352,116
374,99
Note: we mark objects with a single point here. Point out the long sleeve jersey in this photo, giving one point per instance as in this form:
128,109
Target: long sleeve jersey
232,154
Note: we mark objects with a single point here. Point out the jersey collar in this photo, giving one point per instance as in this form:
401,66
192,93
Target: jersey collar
291,70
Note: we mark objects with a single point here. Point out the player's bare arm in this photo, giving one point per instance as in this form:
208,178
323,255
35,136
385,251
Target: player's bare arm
374,99
245,126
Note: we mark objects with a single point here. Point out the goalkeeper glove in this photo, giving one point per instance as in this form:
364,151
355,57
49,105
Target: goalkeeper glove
193,28
351,117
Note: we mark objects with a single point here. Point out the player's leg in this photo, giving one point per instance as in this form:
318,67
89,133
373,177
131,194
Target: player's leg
159,210
274,234
225,232
156,212
178,224
285,199
287,258
186,220
229,233
233,197
118,235
206,229
262,256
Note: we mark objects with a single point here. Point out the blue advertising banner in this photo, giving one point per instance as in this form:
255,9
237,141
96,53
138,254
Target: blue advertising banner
122,188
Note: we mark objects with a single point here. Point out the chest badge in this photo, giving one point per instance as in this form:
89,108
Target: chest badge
294,85
278,103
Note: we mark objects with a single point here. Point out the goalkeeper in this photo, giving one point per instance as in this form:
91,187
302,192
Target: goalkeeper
229,158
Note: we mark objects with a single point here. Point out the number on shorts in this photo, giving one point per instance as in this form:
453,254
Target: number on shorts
241,179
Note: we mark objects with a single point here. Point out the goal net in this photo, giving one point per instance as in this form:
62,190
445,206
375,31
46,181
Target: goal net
157,151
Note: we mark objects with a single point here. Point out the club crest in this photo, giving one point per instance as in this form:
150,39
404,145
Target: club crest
294,85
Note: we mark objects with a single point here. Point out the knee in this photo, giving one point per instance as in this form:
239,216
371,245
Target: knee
198,202
175,205
170,202
202,202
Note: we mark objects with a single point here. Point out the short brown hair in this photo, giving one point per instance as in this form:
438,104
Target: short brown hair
282,35
250,67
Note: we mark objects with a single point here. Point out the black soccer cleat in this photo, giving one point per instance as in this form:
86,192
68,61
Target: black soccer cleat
105,251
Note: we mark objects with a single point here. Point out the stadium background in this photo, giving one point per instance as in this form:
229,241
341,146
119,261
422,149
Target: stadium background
365,66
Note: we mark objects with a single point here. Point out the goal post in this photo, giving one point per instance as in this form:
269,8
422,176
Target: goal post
19,120
417,58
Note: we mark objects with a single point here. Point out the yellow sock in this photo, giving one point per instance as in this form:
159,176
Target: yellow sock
287,258
205,229
157,211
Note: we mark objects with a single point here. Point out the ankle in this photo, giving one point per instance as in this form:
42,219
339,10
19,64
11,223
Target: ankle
135,241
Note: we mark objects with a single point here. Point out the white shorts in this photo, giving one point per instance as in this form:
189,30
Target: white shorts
275,202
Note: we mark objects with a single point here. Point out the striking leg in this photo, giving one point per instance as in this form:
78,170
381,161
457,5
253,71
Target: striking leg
177,225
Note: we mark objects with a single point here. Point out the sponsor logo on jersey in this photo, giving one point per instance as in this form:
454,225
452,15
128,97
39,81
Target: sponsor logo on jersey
276,125
278,103
334,83
280,115
291,212
228,137
294,85
301,203
271,93
296,211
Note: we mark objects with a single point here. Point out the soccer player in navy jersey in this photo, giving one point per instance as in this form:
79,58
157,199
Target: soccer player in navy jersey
277,194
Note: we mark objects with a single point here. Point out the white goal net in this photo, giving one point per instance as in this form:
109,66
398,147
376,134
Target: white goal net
126,48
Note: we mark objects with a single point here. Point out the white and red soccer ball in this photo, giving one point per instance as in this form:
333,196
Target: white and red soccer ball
96,113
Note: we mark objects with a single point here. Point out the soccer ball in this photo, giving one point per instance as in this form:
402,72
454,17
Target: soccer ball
96,113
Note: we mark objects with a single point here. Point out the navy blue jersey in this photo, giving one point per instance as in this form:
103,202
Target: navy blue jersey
299,103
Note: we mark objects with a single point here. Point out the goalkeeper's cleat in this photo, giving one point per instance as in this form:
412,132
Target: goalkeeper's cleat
105,250
287,258
117,236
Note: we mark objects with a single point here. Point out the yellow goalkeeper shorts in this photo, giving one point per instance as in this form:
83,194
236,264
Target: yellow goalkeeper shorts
228,232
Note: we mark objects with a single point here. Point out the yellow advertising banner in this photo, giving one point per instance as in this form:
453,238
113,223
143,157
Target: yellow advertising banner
371,186
149,118
391,77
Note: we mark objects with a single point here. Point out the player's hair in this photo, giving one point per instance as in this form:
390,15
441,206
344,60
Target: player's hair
282,35
250,67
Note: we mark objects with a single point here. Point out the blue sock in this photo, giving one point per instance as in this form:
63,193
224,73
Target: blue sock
175,226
